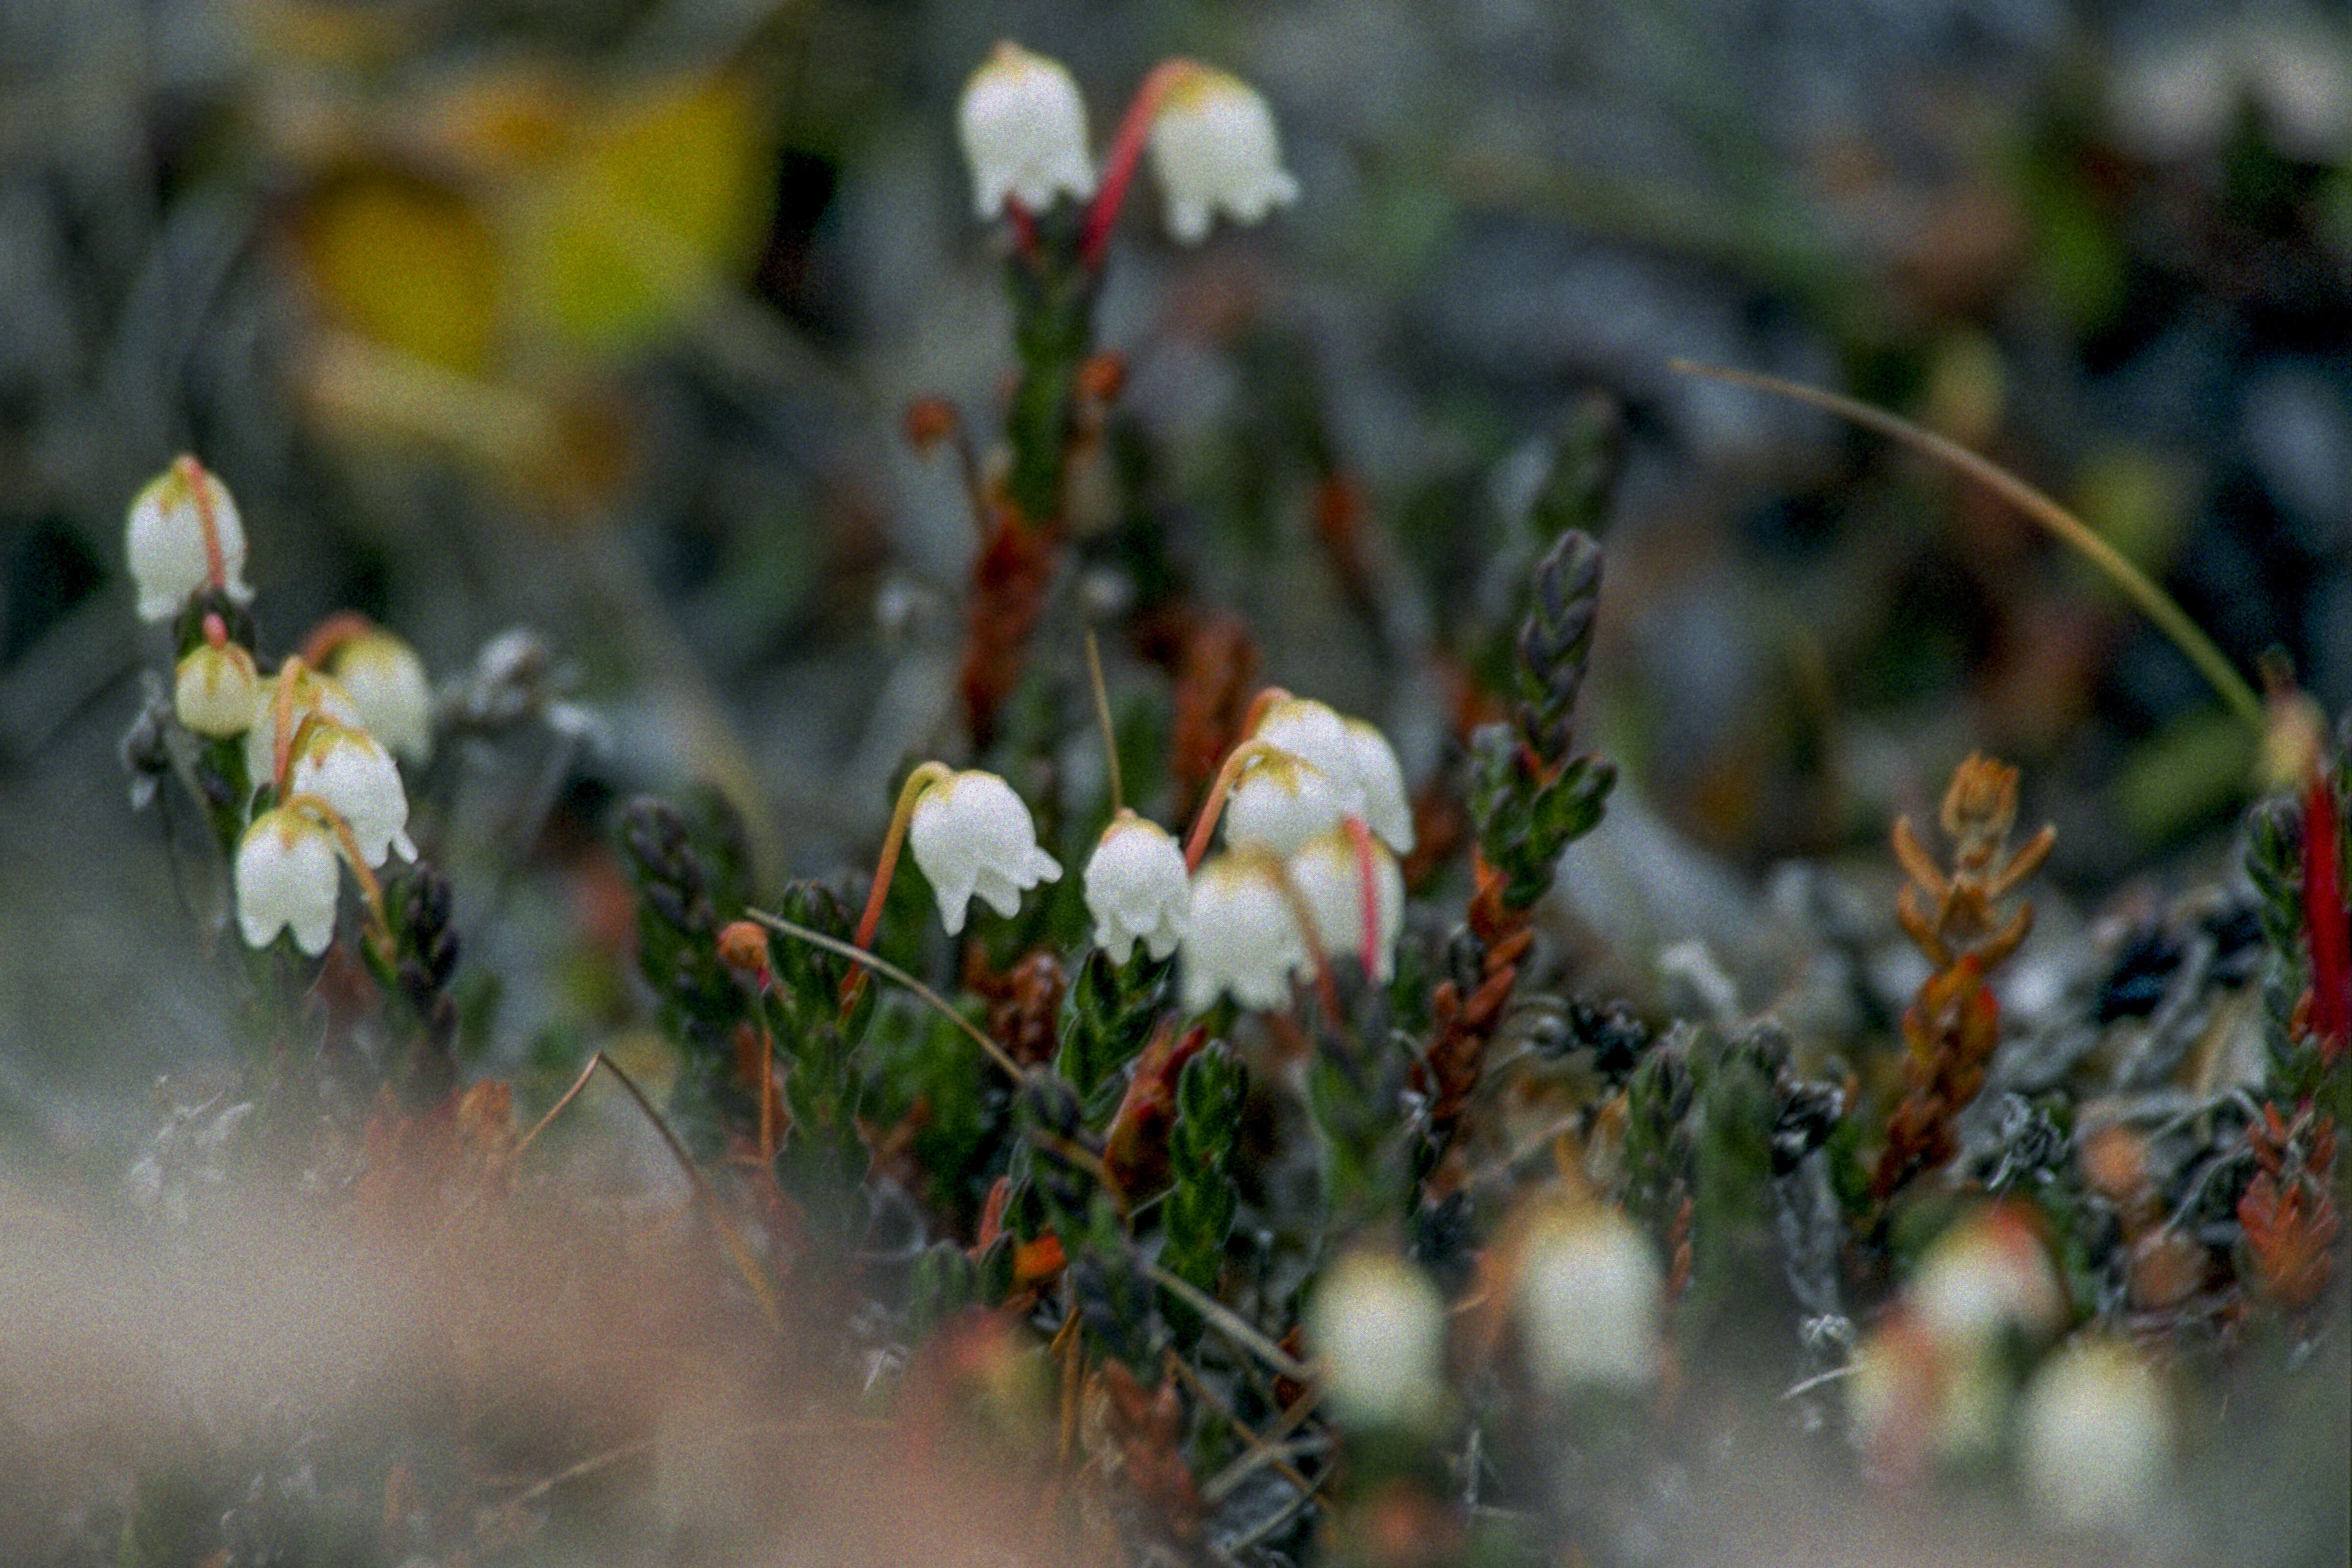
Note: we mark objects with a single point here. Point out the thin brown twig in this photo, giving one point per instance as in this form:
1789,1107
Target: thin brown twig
1231,1325
889,971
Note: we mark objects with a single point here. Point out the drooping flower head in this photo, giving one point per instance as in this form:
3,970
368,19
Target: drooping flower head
1589,1299
974,839
349,769
1329,872
1278,799
387,682
1242,938
1351,752
1024,130
2096,1438
184,534
301,691
1214,150
286,879
1377,1326
1137,889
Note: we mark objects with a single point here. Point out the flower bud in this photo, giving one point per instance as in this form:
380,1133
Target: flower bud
180,524
2094,1438
974,839
1377,1326
213,691
1024,130
1241,937
1137,888
1213,148
386,681
286,879
1588,1300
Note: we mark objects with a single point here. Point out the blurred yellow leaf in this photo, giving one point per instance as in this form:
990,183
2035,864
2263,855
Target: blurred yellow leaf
406,263
656,204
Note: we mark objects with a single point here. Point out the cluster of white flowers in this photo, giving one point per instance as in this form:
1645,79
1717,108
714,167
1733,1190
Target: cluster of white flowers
1311,834
1315,817
313,744
1212,139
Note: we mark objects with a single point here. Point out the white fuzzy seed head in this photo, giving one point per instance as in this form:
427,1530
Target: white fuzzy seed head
1242,938
286,879
1214,150
974,839
165,538
1024,130
1137,888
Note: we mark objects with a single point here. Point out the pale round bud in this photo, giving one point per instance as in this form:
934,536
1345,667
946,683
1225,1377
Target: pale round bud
1214,150
1024,130
170,560
974,839
1987,1273
1137,889
213,691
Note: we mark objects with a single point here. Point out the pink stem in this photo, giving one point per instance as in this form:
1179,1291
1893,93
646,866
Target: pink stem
885,867
1125,152
192,474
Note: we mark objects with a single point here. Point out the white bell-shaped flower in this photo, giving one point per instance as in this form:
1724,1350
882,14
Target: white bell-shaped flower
1377,1326
2094,1438
1351,752
1329,874
167,540
349,769
1137,888
287,872
1242,937
1213,149
386,681
974,839
1279,800
213,689
1588,1300
1024,130
307,691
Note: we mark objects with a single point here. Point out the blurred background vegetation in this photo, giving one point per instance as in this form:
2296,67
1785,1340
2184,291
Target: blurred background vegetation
597,316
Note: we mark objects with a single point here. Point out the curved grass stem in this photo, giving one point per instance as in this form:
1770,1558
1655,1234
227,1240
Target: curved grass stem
2152,600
